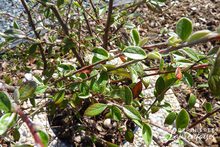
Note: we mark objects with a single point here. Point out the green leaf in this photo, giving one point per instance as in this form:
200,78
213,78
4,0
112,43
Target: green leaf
5,103
44,137
15,25
41,89
16,134
184,28
147,134
182,120
170,118
128,95
99,54
60,2
188,79
143,42
214,77
154,55
129,135
27,89
134,52
6,121
134,75
198,35
13,34
191,101
59,97
135,36
208,107
95,109
213,51
32,49
131,112
116,113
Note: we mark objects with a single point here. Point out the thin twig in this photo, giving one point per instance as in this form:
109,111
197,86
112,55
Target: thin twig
108,24
30,19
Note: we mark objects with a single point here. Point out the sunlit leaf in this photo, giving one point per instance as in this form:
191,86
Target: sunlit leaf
99,54
134,52
184,28
95,109
131,112
182,119
27,89
5,103
147,134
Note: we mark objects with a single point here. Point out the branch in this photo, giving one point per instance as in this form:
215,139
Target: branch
214,36
30,126
63,25
30,19
108,24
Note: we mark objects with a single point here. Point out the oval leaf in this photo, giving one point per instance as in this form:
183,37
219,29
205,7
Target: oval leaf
147,134
198,35
135,52
184,28
116,113
6,121
135,36
170,118
208,107
136,90
5,103
27,90
154,55
182,120
191,101
128,95
44,137
129,136
95,109
131,112
99,54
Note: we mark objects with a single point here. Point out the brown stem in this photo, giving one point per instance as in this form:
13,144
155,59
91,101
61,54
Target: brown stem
30,126
94,9
30,19
64,27
203,118
212,37
108,24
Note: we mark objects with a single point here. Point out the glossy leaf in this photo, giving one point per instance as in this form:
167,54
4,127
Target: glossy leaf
198,35
44,137
184,28
6,121
95,109
208,107
27,89
131,112
135,36
59,97
147,134
134,52
154,55
128,95
182,119
99,54
116,113
188,79
129,136
5,103
191,101
214,77
170,118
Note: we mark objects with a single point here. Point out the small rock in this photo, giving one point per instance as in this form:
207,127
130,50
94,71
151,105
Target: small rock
107,123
